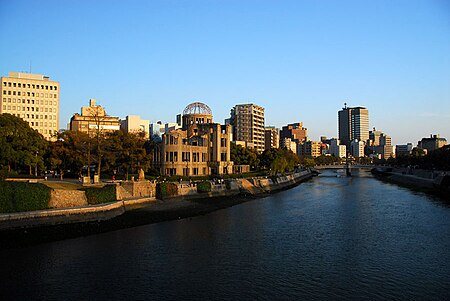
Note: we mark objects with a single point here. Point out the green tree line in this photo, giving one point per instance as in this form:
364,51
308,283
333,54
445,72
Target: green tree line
25,151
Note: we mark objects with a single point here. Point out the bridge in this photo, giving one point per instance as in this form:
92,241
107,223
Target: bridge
343,166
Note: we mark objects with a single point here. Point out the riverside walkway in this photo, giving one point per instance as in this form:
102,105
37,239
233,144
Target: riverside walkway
342,166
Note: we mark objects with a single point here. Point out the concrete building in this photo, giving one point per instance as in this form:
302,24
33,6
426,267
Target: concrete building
295,131
248,125
309,149
432,143
271,137
337,149
92,118
374,138
34,98
155,131
357,148
379,145
289,144
403,150
353,124
200,147
135,125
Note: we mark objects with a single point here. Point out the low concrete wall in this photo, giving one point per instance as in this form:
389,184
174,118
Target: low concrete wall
61,216
254,186
136,189
411,180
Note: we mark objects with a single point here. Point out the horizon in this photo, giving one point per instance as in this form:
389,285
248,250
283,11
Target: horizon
301,61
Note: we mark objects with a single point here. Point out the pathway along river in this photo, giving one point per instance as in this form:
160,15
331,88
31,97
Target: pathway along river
329,238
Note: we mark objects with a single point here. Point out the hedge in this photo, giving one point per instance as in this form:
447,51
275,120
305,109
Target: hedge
204,186
165,190
102,195
20,196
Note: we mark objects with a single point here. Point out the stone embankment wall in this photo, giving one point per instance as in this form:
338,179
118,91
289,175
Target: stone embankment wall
138,195
135,190
60,198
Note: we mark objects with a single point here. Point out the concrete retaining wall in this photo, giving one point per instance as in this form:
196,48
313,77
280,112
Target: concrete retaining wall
254,186
61,216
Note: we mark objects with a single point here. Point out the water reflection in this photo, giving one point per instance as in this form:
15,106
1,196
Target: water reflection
330,238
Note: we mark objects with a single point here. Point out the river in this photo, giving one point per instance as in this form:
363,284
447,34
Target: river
329,238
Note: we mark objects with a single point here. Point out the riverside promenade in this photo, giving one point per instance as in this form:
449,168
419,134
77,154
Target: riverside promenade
188,202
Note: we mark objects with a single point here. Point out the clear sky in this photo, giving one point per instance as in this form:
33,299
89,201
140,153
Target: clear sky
301,60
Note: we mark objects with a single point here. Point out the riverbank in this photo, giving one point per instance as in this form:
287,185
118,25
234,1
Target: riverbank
437,183
21,229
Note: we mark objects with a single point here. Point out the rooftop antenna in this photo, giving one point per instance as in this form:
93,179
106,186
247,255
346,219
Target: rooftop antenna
345,105
30,66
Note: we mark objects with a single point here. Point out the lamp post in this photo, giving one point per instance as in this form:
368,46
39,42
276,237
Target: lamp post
35,166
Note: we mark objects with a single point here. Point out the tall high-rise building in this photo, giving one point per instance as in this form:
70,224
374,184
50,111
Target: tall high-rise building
248,125
34,98
353,124
295,131
272,137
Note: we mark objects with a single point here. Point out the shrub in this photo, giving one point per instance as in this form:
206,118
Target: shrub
204,186
102,195
165,190
19,196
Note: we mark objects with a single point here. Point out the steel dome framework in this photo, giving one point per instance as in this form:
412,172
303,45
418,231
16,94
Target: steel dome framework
197,108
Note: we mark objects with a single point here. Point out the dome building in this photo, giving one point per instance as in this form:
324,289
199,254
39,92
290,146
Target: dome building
196,113
199,148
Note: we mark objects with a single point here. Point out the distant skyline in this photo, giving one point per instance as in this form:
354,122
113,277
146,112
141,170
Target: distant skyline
301,60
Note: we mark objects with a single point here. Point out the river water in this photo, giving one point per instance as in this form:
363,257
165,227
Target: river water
329,238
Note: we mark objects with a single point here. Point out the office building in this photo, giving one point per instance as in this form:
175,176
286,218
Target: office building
93,118
135,125
288,144
353,124
337,149
271,137
34,98
379,145
199,148
248,125
403,150
295,131
357,148
310,149
432,143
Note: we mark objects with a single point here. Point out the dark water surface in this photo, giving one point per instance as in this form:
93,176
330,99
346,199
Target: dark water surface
330,238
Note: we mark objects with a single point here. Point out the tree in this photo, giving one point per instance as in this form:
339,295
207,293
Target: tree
20,145
70,152
244,156
127,152
278,160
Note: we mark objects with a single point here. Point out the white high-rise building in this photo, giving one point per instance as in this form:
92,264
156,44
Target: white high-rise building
34,98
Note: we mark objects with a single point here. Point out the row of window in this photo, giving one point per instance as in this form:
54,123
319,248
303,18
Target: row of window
186,171
32,86
32,109
46,102
37,123
32,116
18,93
186,157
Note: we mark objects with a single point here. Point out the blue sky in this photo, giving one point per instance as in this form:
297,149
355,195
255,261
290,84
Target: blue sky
301,60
